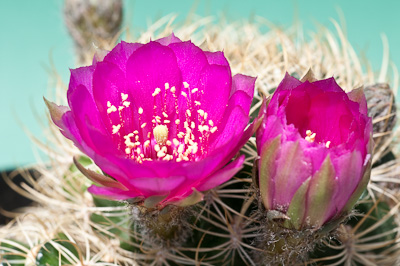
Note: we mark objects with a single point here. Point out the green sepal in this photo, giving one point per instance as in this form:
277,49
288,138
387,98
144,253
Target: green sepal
96,177
309,76
357,95
320,193
297,207
192,199
289,165
267,160
56,111
153,201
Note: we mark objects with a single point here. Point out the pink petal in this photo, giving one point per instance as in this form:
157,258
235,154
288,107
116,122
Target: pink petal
328,85
292,169
168,40
83,108
157,186
191,61
288,83
349,169
221,176
113,193
108,86
82,76
243,83
217,58
233,123
215,86
150,67
120,53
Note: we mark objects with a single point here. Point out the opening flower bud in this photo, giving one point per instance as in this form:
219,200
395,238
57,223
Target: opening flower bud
315,151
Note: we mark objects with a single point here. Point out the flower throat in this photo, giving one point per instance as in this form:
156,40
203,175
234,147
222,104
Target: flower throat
189,144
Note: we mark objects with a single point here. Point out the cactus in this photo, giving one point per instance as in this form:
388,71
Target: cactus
67,225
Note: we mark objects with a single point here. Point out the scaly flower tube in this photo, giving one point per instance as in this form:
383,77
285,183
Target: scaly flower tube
161,120
315,151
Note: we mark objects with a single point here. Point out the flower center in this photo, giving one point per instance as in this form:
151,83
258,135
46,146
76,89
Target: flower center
311,138
180,135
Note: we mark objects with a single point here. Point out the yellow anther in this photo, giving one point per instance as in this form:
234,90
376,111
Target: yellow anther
126,103
310,136
164,114
147,143
143,125
116,128
197,103
140,111
166,85
160,133
177,121
181,147
185,84
160,154
124,96
184,94
156,92
157,147
175,141
327,144
188,113
166,121
212,130
173,89
195,90
111,109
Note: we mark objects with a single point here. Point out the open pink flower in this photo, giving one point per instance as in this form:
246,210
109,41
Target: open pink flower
160,119
315,151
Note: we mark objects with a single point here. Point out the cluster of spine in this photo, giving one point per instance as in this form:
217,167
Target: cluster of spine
68,226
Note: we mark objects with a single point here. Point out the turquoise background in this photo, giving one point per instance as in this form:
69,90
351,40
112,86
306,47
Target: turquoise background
33,38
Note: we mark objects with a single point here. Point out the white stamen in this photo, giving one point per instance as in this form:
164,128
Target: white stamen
327,144
116,128
124,96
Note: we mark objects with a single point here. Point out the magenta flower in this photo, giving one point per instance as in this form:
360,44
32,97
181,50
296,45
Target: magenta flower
161,120
315,151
